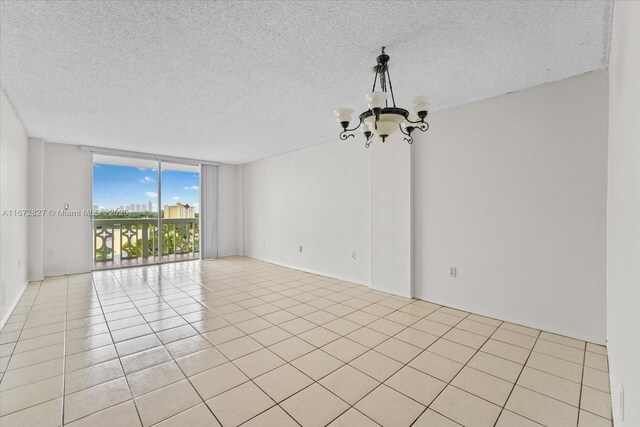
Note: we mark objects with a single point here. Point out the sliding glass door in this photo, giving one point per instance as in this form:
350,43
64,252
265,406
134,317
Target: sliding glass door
180,211
145,211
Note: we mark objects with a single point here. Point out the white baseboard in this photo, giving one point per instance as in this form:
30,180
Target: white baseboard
306,270
13,305
391,291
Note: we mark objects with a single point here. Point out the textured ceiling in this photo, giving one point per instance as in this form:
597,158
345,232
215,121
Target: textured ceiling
240,81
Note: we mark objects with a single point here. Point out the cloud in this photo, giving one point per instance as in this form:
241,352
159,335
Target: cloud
151,194
145,180
193,187
176,197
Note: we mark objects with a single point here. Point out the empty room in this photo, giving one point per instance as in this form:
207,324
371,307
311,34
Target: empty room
320,213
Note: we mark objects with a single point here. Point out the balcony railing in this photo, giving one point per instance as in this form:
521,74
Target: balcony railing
137,239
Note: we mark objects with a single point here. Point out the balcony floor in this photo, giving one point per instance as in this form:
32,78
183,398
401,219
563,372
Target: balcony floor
136,262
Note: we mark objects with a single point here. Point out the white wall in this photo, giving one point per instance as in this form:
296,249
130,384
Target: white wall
623,214
391,216
229,210
319,198
512,192
67,244
35,196
13,195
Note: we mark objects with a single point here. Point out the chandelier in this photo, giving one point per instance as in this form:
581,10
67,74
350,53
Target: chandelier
381,119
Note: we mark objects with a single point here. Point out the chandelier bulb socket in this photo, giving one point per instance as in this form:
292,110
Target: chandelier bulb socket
422,115
345,125
367,134
376,112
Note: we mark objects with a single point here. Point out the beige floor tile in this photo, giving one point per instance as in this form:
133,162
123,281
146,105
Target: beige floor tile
345,349
506,351
32,394
587,419
223,335
258,363
510,419
124,414
353,418
272,417
89,343
553,365
431,327
291,348
515,338
376,365
520,329
561,351
403,318
217,380
166,402
282,382
271,335
444,318
419,386
153,378
239,347
199,416
201,361
253,325
598,349
416,337
39,342
319,336
136,345
317,364
176,334
297,326
496,366
483,385
466,338
367,337
431,418
32,373
596,401
314,406
465,408
187,346
398,350
239,404
47,414
571,342
451,350
437,366
94,399
388,407
550,385
349,384
386,327
596,361
591,377
36,356
362,318
144,359
92,376
479,328
542,409
89,358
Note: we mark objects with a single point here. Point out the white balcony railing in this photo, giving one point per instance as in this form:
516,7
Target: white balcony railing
128,239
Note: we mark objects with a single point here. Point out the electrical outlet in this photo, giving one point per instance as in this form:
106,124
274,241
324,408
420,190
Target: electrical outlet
353,255
453,272
300,248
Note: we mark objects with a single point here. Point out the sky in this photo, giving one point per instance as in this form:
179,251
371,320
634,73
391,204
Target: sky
115,185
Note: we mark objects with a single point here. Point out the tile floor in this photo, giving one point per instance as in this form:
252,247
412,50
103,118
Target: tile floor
242,342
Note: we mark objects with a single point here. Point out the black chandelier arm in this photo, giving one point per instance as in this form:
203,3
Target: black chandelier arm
344,135
393,99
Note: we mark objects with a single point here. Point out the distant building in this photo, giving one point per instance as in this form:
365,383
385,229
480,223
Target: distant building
178,211
95,207
149,206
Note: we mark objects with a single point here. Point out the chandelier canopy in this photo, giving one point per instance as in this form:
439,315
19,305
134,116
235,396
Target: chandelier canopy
382,119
